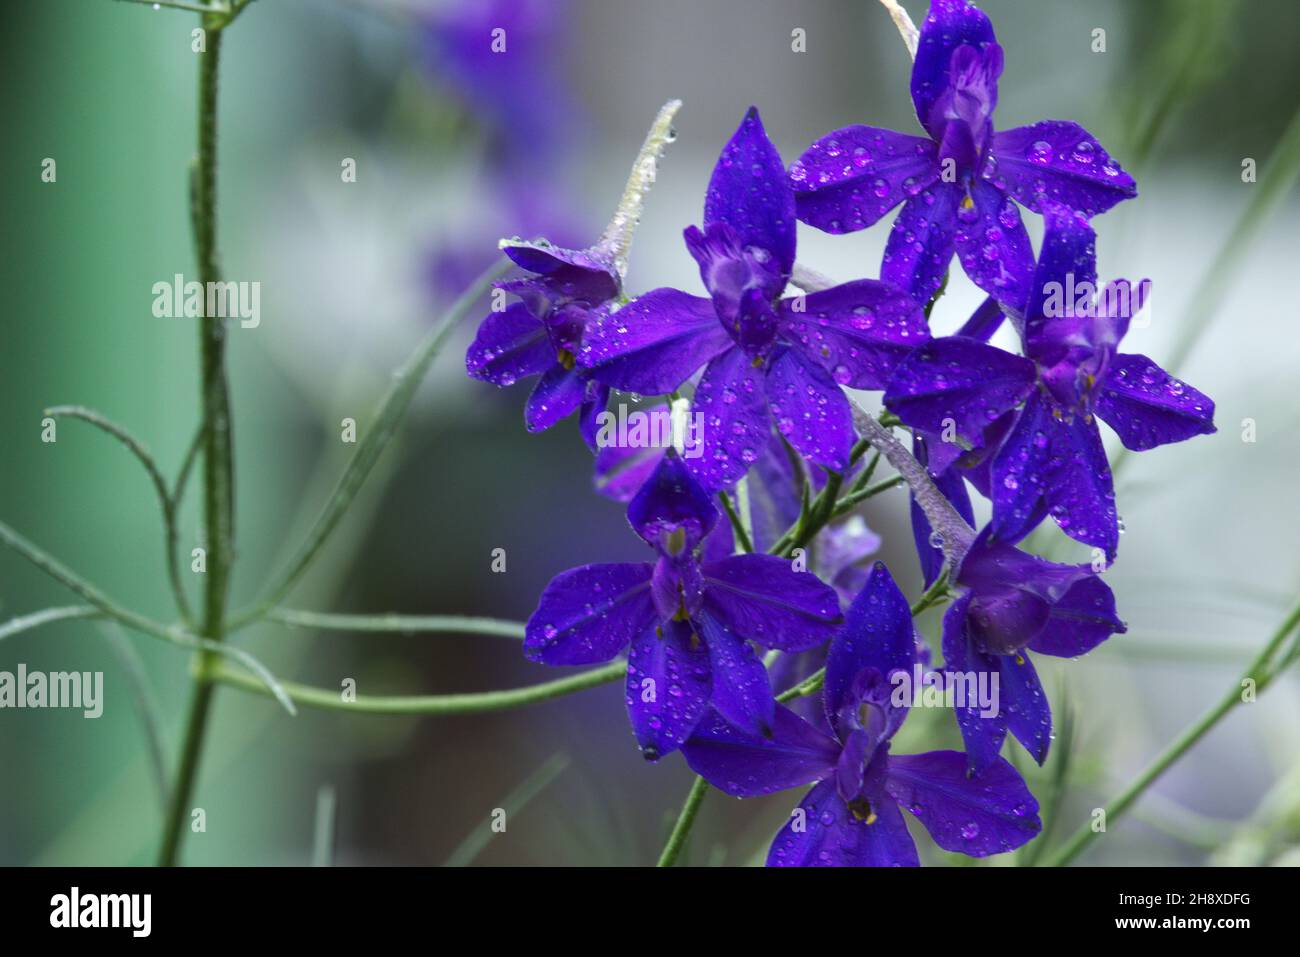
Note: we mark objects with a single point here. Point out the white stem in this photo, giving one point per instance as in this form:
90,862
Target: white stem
810,280
617,238
956,536
911,36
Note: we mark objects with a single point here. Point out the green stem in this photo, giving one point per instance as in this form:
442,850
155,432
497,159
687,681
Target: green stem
1258,671
472,703
133,620
165,500
406,624
218,499
23,623
742,536
685,820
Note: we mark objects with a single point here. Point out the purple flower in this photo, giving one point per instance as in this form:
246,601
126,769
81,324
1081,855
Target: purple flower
958,185
688,618
542,332
852,815
1051,460
1012,603
768,358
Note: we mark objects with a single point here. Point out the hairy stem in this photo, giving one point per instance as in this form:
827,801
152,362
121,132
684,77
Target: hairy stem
218,480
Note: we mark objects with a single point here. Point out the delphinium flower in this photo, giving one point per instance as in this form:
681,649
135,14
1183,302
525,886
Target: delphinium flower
768,359
1051,460
688,618
1011,603
542,332
853,814
569,289
959,187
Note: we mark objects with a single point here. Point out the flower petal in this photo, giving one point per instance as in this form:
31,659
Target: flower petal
981,734
990,814
668,687
748,191
568,274
877,633
950,24
509,345
732,403
747,765
859,331
1024,705
762,598
823,832
1061,161
1083,618
622,470
558,394
589,614
742,691
672,500
654,343
1019,473
922,241
1080,489
1146,406
849,178
993,246
957,384
810,409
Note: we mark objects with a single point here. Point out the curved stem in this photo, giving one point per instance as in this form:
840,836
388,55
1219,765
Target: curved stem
616,241
165,500
18,625
685,821
1258,671
471,703
407,624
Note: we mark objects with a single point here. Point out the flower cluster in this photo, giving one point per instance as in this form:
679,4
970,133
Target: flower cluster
783,449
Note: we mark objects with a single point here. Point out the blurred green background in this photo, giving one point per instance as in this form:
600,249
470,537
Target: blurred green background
448,159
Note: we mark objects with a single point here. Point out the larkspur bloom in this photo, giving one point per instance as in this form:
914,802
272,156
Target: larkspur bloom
1012,603
768,359
1051,460
959,187
853,816
689,618
839,554
542,332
